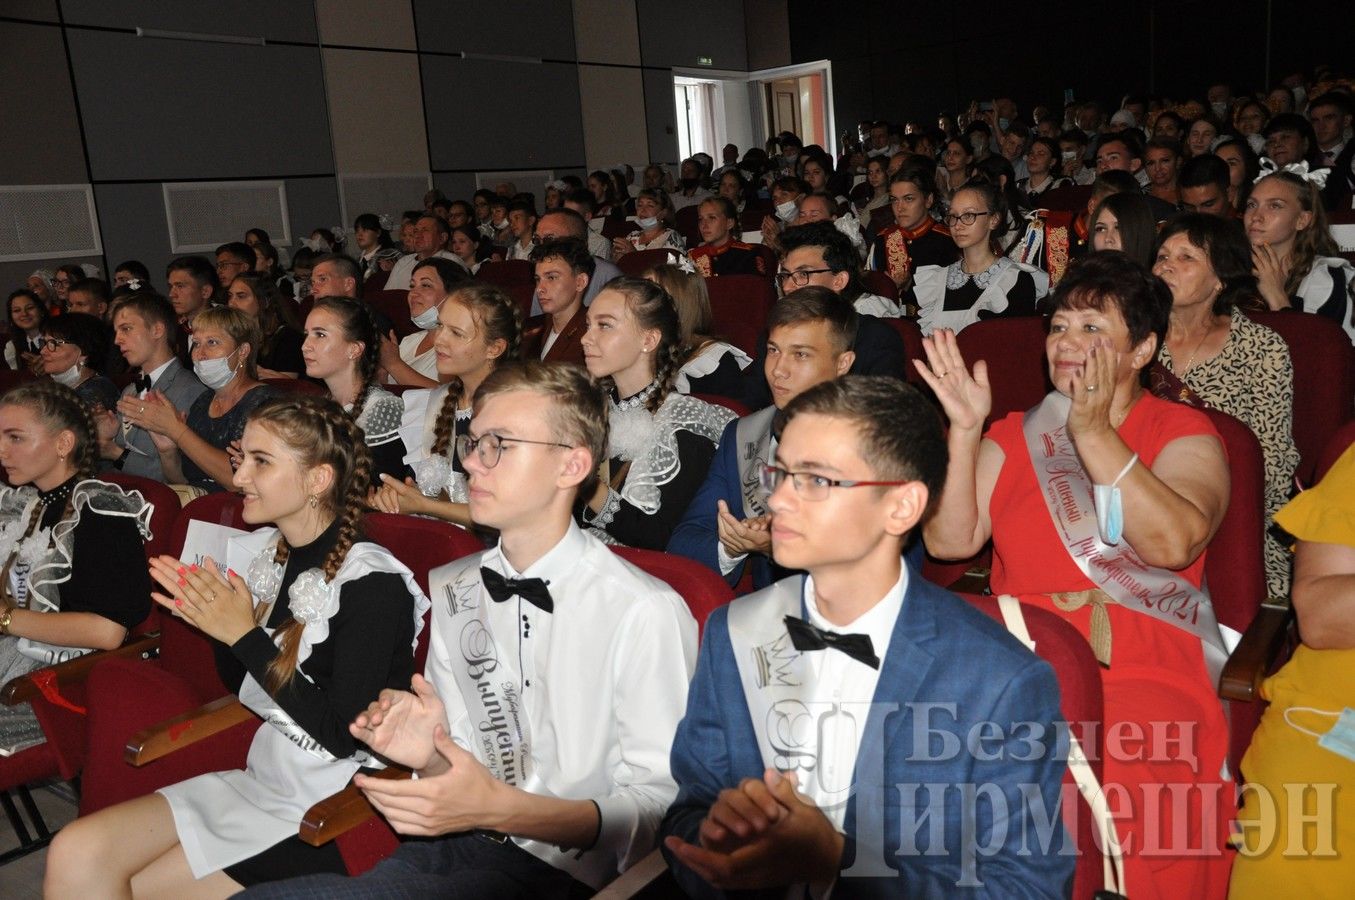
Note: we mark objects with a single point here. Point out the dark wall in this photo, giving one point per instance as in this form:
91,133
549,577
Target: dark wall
911,61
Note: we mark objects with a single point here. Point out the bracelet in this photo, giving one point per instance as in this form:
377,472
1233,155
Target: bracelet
5,618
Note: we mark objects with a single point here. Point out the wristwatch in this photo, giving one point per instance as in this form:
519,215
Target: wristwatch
4,619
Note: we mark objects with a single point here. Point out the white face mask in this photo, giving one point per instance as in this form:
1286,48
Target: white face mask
1069,155
647,222
70,378
215,373
1220,109
786,211
426,319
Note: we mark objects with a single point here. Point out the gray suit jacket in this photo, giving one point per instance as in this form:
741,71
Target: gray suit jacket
181,387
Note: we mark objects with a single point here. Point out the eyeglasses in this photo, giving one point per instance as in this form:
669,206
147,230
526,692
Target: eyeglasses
44,343
489,448
61,281
800,277
810,486
963,218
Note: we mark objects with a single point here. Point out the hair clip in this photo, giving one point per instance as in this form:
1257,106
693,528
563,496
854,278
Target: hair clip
1314,176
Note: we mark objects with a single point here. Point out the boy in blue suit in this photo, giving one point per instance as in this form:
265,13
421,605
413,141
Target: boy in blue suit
858,729
809,341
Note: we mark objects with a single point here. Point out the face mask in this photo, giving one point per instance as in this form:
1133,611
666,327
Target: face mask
647,222
1003,122
1300,97
786,211
426,319
1110,506
215,373
70,378
1339,740
1220,109
1069,155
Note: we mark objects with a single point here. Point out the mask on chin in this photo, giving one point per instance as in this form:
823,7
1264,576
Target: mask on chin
647,222
70,378
427,319
786,211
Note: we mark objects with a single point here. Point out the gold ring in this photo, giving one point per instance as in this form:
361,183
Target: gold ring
940,374
1090,388
141,410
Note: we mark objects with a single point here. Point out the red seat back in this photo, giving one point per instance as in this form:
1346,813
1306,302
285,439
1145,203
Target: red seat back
740,300
422,545
1014,351
297,386
1324,380
515,277
912,347
638,262
1339,443
1069,198
394,305
877,282
1083,707
614,227
703,590
684,222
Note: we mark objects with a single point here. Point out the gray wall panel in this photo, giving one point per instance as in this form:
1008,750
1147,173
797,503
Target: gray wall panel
134,226
536,28
159,109
279,20
675,34
660,117
487,114
42,10
312,203
42,135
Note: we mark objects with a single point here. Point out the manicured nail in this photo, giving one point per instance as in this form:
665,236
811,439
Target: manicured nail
193,568
182,582
179,604
231,573
182,570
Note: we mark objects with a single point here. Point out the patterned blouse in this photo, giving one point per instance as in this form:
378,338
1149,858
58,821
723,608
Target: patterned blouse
1252,380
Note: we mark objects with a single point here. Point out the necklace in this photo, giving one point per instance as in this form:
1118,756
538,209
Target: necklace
1208,330
57,494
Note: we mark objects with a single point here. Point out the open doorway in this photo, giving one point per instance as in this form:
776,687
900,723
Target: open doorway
701,116
798,105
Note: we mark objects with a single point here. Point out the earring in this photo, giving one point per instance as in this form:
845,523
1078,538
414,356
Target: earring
314,501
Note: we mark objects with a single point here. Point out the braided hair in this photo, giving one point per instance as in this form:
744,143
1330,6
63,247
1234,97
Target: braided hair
320,433
358,326
500,319
654,308
59,409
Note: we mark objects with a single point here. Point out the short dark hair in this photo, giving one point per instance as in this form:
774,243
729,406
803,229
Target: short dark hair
1115,181
901,437
924,176
1202,170
813,304
1229,254
465,206
87,332
450,272
199,269
1132,142
345,265
517,205
838,252
571,250
1339,99
136,268
1074,136
241,252
577,225
583,197
95,287
1114,279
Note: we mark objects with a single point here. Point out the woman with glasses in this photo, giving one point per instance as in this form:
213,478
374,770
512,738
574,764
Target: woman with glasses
479,329
983,283
1100,495
73,348
65,278
661,442
27,315
915,239
413,361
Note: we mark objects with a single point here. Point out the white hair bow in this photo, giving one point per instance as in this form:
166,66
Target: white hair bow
385,221
1316,176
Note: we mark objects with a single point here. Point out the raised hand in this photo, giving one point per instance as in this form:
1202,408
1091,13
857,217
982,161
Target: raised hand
222,608
1093,390
966,398
741,536
399,725
1271,274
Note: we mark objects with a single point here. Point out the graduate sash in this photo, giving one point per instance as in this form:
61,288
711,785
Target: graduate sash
753,438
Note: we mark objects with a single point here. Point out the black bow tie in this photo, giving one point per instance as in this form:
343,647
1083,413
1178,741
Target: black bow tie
142,383
533,590
807,637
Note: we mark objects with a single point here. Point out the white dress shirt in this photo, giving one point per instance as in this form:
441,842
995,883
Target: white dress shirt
848,686
403,270
604,685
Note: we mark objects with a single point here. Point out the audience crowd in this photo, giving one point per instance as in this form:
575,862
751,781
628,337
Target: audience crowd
754,369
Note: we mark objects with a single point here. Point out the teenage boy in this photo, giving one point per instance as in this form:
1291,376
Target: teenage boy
192,286
556,676
143,327
564,270
835,713
809,341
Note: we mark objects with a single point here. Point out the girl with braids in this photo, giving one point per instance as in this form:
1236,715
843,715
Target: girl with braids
479,328
320,622
661,442
983,283
342,350
1297,262
71,547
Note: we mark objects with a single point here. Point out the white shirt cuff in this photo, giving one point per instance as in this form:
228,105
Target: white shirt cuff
728,563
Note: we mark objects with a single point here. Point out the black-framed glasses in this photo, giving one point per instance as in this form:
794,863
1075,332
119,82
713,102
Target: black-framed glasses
800,277
810,486
489,447
54,343
966,218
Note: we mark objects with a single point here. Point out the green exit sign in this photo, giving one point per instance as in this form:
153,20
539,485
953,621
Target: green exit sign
704,61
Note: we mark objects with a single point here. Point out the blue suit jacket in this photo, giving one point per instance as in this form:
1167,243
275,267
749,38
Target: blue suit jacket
697,536
945,652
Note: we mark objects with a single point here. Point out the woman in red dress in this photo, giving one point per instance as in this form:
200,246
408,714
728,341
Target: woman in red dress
1166,735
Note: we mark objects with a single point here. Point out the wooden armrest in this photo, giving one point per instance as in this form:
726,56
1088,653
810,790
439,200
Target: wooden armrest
1252,659
184,730
637,878
339,812
74,671
975,581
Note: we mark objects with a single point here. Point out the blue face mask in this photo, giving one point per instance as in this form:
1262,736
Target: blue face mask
1340,739
1110,506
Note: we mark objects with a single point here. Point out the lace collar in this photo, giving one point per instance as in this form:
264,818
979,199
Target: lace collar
637,401
957,277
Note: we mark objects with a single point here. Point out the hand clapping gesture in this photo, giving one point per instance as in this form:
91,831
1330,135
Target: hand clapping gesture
219,607
966,398
399,725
